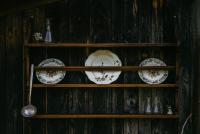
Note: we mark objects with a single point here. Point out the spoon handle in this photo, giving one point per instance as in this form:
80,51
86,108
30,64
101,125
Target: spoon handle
31,83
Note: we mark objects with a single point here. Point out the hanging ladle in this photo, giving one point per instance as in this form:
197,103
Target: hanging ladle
29,110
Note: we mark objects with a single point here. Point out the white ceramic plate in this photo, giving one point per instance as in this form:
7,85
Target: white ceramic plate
153,76
103,58
49,76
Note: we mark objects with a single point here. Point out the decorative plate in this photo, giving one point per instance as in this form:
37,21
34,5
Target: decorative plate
153,76
49,76
103,58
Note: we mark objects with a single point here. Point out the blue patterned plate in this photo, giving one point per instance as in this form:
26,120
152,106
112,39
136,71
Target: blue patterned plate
153,76
50,76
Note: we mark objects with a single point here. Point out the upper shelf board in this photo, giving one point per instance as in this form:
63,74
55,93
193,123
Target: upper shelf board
99,45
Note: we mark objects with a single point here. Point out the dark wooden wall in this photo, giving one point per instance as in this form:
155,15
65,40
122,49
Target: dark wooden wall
96,21
2,68
11,72
196,67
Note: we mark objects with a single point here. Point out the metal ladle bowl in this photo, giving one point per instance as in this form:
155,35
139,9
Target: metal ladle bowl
29,110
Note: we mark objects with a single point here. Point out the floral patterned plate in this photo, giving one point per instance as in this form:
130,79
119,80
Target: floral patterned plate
49,76
103,58
153,76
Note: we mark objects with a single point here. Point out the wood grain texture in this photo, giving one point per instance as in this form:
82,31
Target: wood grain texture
185,71
105,116
13,50
53,86
100,45
131,105
196,64
3,74
79,99
123,68
111,99
26,5
131,126
89,25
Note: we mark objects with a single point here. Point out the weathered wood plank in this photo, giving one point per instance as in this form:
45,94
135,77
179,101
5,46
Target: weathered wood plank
77,98
130,96
102,45
36,127
131,126
195,85
3,75
92,86
78,31
13,73
145,35
144,126
107,68
25,6
105,116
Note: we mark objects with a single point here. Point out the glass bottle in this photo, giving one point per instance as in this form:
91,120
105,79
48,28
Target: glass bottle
156,131
157,105
48,37
148,106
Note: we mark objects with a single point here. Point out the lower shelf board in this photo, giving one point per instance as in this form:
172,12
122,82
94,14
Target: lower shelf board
105,86
103,116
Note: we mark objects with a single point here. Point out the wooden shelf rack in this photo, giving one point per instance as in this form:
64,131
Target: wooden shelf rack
171,86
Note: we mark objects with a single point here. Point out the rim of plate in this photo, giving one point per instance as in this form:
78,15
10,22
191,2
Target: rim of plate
43,63
92,56
141,72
